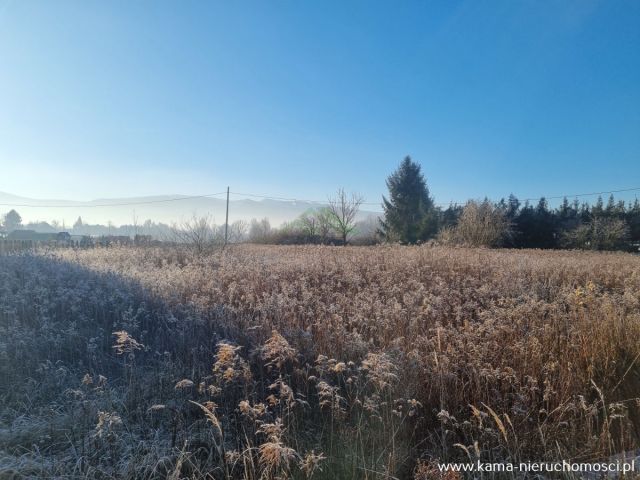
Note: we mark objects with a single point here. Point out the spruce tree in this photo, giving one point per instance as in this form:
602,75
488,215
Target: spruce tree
513,206
633,219
598,209
409,213
611,207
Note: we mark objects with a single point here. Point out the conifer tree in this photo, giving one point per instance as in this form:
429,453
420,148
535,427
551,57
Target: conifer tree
513,206
598,209
633,219
409,213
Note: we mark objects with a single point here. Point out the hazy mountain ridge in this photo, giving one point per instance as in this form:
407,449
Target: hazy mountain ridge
164,209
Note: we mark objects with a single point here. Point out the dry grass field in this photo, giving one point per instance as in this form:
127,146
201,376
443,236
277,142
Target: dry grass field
313,362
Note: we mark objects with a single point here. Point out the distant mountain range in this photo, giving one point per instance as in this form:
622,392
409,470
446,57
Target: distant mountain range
164,208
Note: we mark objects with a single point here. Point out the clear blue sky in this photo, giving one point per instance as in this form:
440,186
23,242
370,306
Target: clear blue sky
296,98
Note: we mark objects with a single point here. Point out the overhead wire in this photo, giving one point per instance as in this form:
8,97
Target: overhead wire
92,205
280,198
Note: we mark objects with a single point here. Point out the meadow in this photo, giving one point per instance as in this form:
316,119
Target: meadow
265,362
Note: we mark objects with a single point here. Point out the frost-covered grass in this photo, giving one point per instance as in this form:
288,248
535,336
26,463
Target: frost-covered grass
323,362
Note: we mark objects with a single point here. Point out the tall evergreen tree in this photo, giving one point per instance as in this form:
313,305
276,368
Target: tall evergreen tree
633,219
564,211
545,233
409,213
611,207
513,206
449,216
535,226
585,212
567,216
598,209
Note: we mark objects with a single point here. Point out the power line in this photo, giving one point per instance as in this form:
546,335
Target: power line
290,199
164,200
556,197
583,194
270,197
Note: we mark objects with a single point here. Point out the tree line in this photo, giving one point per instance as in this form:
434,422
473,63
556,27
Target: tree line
410,216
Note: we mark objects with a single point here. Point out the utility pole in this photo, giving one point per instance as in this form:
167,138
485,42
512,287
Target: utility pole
226,221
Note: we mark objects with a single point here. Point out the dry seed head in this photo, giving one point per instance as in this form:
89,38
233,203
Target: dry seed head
229,366
380,370
339,367
311,462
107,423
209,410
258,410
213,390
184,383
276,351
211,406
245,407
272,430
229,374
329,397
275,455
226,354
125,343
232,456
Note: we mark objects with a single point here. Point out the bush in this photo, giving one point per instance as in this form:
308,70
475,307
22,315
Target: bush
600,234
481,224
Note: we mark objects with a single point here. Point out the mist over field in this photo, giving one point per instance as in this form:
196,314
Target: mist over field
163,209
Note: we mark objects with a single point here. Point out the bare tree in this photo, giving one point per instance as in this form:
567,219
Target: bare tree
316,225
259,230
238,231
343,209
325,227
200,233
308,225
599,234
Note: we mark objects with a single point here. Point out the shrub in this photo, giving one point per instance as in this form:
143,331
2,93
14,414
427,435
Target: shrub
481,224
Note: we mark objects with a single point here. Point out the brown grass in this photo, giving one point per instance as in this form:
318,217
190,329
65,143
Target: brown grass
382,359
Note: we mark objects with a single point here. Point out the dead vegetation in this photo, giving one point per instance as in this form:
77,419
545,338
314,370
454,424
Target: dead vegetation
279,362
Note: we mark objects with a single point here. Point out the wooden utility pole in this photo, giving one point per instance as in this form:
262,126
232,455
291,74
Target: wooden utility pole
226,221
